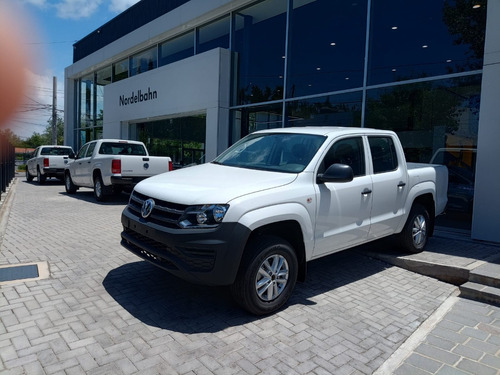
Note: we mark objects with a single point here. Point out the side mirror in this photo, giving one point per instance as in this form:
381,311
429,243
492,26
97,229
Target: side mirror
336,173
72,155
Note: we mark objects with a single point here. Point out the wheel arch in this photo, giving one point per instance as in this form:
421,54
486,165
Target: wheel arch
427,200
289,230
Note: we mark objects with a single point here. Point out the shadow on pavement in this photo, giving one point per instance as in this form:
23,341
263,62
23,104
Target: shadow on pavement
159,299
87,195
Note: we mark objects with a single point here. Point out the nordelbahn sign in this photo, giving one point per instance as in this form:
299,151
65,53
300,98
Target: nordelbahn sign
139,97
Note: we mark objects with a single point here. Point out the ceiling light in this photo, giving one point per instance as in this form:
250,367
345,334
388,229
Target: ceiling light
394,28
333,44
393,70
318,68
425,46
476,6
448,61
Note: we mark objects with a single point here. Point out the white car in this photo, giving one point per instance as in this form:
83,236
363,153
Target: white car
255,216
48,161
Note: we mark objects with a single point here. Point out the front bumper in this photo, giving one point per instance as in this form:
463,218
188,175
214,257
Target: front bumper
203,256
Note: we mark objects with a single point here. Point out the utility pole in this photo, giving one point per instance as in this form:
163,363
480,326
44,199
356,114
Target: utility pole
54,112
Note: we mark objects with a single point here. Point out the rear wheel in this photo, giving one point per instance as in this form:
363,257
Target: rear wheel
40,177
267,276
29,176
71,188
415,233
101,191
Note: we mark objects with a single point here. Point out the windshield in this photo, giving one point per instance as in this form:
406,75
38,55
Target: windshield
278,152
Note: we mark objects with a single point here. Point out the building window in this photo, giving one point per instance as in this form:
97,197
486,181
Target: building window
87,101
415,39
120,70
182,138
259,33
331,110
102,78
144,61
213,35
326,46
250,119
176,49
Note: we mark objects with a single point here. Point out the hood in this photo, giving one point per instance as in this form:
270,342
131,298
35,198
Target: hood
210,183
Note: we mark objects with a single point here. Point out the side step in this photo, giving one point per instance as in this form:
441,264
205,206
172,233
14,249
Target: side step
480,292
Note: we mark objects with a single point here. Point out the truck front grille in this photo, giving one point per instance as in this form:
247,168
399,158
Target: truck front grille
164,213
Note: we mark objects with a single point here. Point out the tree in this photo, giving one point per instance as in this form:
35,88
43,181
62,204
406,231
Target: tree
45,138
13,138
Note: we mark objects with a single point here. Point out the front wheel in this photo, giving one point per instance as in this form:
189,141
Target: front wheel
267,276
415,233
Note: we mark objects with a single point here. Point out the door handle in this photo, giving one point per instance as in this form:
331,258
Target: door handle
401,184
365,192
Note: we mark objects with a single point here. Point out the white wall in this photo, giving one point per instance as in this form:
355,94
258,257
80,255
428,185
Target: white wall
486,217
198,84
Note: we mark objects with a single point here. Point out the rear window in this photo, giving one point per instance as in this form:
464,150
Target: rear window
116,148
56,151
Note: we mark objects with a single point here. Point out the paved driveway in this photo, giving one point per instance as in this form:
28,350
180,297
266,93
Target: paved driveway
104,311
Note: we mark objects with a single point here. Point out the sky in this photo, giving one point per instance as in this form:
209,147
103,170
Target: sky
51,28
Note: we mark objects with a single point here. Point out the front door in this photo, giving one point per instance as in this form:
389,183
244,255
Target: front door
343,218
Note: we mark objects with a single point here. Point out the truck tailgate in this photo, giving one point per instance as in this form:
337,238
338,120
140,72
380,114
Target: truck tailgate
137,166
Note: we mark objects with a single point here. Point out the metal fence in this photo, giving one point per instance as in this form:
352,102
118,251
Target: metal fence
7,163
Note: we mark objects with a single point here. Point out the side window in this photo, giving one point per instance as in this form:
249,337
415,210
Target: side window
347,151
90,150
384,156
82,151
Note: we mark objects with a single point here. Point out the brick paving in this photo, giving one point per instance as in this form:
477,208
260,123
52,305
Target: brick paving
104,311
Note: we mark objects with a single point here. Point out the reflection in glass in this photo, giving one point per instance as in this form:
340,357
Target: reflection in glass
176,49
332,110
87,101
102,78
259,33
120,70
213,35
183,138
415,39
437,121
326,46
144,61
247,120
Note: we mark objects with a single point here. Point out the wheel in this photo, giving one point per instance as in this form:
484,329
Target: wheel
40,177
71,188
100,190
267,275
29,176
414,235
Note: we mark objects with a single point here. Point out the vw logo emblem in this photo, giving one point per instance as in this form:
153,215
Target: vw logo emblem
147,208
146,165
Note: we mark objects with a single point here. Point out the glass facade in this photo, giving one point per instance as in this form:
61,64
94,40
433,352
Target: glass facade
411,66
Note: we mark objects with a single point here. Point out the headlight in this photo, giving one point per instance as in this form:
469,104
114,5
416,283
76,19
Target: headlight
206,216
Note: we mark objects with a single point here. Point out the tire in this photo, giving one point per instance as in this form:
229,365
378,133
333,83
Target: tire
71,188
100,190
414,235
267,276
29,176
40,177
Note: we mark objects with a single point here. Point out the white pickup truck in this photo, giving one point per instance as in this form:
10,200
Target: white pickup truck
110,165
276,199
48,161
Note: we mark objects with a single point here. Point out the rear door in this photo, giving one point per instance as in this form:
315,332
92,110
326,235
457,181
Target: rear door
390,185
343,218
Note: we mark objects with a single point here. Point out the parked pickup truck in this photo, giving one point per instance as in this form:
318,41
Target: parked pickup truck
276,199
48,161
110,165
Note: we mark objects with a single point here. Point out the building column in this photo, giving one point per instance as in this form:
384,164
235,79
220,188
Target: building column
485,221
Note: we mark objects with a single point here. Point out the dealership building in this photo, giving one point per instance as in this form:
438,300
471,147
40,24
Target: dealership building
191,77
